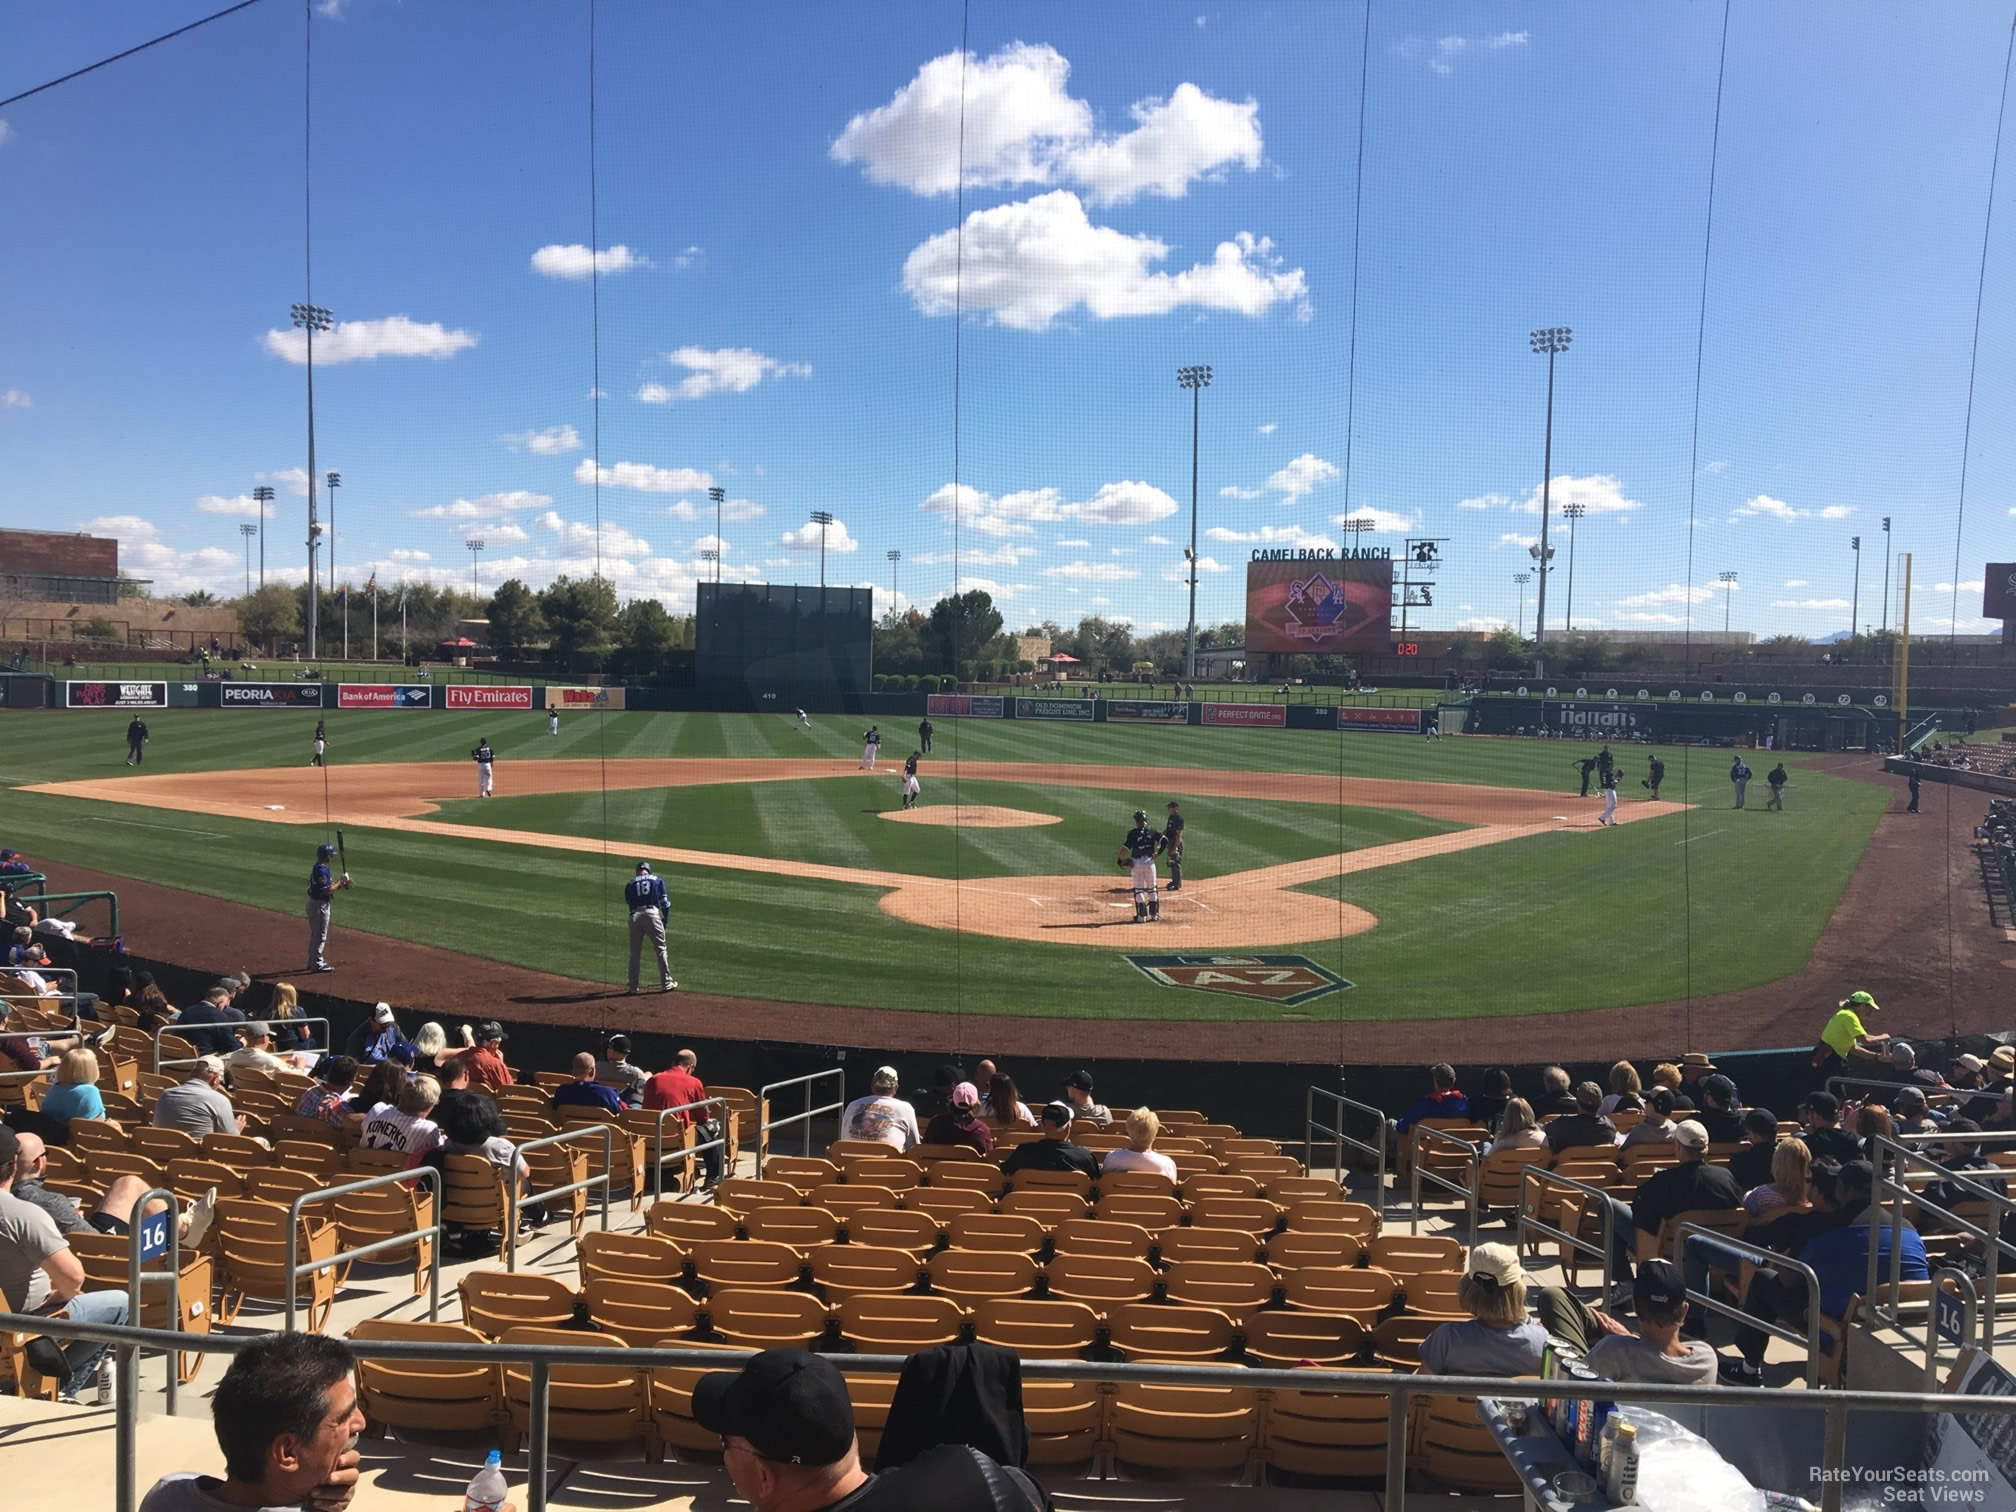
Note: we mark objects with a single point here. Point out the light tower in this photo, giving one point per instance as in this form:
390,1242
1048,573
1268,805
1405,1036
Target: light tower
1886,572
335,481
248,530
1728,593
720,497
1195,379
895,555
1522,579
822,518
312,318
1572,513
1552,341
1855,600
475,545
262,496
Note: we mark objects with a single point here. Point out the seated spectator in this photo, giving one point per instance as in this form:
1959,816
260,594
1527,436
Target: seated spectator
1656,1353
679,1086
485,1060
1488,1106
1905,1070
948,1077
256,1054
1820,1116
1005,1108
1966,1074
1963,1158
405,1127
39,1273
210,1025
2003,1119
1682,1188
373,1039
197,1105
1518,1129
75,1094
43,1052
1791,1175
156,1012
1696,1068
1717,1112
1554,1094
290,1032
1500,1337
1442,1100
122,990
1872,1123
882,1116
1910,1113
984,1071
1143,1127
1078,1093
112,1213
1626,1090
1752,1165
381,1088
586,1092
1666,1074
287,1421
1585,1126
960,1124
1054,1151
615,1066
329,1099
1657,1126
430,1049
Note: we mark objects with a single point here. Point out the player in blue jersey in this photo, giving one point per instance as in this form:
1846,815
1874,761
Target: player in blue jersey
649,907
323,885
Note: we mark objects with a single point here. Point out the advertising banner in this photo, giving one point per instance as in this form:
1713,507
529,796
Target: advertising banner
1318,604
1392,721
1251,716
384,696
294,695
486,696
1998,591
583,698
965,706
1147,710
1055,708
115,695
1605,719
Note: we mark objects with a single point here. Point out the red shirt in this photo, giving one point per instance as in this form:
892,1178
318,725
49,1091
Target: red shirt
674,1089
487,1069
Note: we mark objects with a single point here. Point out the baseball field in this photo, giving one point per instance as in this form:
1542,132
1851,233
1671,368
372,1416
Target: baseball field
1446,880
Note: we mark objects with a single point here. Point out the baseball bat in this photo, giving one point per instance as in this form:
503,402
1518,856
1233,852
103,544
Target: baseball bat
342,856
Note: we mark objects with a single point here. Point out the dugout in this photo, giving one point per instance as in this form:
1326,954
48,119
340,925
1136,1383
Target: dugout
1793,726
755,644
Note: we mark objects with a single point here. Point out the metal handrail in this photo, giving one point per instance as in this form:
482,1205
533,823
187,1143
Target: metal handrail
81,897
377,1246
1993,1247
1528,1175
517,1204
136,1277
1400,1389
1341,1141
1466,1190
685,1151
232,1026
76,985
805,1118
1969,1320
1834,1083
1756,1254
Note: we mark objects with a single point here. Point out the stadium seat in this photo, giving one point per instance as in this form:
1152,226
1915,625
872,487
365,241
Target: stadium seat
238,1150
1328,1433
803,1228
586,1403
1047,1329
1015,1233
929,1155
971,1276
914,1231
1218,1184
671,1397
639,1311
1323,1216
1729,1221
1237,1289
741,1196
1354,1293
766,1318
744,1263
495,1302
1153,1183
897,1174
847,1270
472,1193
446,1395
1147,1210
892,1323
1095,1236
843,1197
871,1397
1076,1183
629,1154
1100,1281
1293,1250
972,1176
1284,1339
1187,1428
1158,1331
628,1257
273,1184
1433,1294
1396,1342
1499,1177
252,1261
1285,1191
370,1217
1454,1449
843,1150
1254,1215
163,1145
554,1168
87,1135
801,1171
943,1204
190,1178
1048,1206
106,1258
688,1223
1406,1254
1179,1244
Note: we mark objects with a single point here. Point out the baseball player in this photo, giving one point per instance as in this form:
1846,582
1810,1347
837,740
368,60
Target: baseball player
910,788
552,721
924,735
871,747
321,744
1655,771
804,720
323,886
1172,842
1608,783
136,741
645,895
1138,855
484,758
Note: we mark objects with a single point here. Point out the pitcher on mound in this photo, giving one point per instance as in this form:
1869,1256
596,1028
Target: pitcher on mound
1138,855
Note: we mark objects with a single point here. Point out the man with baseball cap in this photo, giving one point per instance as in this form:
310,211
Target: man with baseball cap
197,1105
1681,1188
1820,1121
1078,1093
485,1060
882,1116
644,895
787,1442
1656,1353
1054,1151
372,1040
1845,1038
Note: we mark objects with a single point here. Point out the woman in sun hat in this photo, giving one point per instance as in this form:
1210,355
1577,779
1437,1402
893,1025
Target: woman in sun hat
1846,1039
1500,1337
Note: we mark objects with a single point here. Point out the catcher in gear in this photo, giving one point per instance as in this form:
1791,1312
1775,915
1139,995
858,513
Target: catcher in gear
1138,855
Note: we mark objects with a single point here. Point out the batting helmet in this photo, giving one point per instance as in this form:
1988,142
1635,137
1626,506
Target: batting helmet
1140,816
323,852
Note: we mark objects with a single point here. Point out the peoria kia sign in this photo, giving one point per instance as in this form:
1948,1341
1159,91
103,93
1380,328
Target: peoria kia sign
1284,980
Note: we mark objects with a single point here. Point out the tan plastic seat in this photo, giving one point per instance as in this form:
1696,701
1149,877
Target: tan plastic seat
1049,1207
892,1323
671,1397
1150,1211
971,1276
766,1319
639,1311
446,1395
494,1302
629,1257
1282,1340
745,1263
1013,1233
1157,1331
1237,1289
364,1218
1357,1293
1101,1281
688,1223
588,1403
847,1270
741,1196
252,1261
1180,1244
1046,1329
844,1197
803,1228
898,1174
1396,1343
944,1203
1297,1250
1328,1433
1093,1236
1186,1428
1407,1254
916,1232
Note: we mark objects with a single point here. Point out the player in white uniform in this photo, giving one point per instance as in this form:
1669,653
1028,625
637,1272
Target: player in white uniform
552,721
1609,787
804,722
1138,855
871,747
910,787
484,757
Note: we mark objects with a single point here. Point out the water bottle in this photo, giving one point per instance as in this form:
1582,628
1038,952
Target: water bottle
487,1487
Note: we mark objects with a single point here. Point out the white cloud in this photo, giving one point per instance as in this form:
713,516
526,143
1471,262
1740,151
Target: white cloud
1269,427
14,398
582,536
1441,53
1306,472
731,370
732,510
368,340
806,538
1384,521
1513,538
553,441
1181,572
1234,491
408,554
1837,511
1716,468
571,260
489,506
1973,585
1156,540
1000,592
1188,136
295,479
1485,501
1483,622
1273,535
1673,593
331,9
1124,504
1025,264
1653,619
6,131
688,257
1763,506
643,477
1092,572
1823,603
1796,583
123,526
1074,543
1599,494
238,504
506,533
1000,556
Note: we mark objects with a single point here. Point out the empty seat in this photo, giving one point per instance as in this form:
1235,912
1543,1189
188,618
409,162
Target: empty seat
1328,1433
916,1232
1354,1293
1094,1236
1321,1215
1454,1449
1180,1244
1150,1183
450,1394
671,1397
1075,1182
803,1228
252,1260
1285,1338
895,1323
1256,1215
801,1171
944,1203
1406,1254
1219,1184
385,1212
1149,1210
1295,1249
740,1196
1192,1428
590,1403
971,1176
495,1302
640,1311
745,1263
1396,1343
1240,1289
688,1223
970,1276
1158,1331
1102,1281
846,1270
1285,1191
1047,1206
629,1257
1015,1233
897,1174
844,1197
766,1319
1046,1329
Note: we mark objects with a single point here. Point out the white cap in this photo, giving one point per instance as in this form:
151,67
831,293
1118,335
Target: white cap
382,1014
887,1076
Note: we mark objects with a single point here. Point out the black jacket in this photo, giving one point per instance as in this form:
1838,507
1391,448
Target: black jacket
967,1394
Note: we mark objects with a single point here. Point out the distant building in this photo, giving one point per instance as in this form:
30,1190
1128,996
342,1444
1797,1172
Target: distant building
1032,648
59,567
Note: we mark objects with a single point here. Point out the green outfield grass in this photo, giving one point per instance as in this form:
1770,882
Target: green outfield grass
1553,923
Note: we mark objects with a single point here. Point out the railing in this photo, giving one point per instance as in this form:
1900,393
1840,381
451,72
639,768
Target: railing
517,1204
75,898
1400,1390
1340,1141
1532,1174
45,972
136,1277
183,1033
1756,1254
1969,1319
1900,1159
1466,1191
805,1118
685,1150
428,1174
1836,1084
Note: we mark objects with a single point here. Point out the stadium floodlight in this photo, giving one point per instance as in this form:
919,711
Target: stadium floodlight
335,481
720,496
1550,341
1855,602
1196,379
1522,579
248,530
310,318
1572,513
1728,592
822,518
261,497
895,555
1886,574
475,545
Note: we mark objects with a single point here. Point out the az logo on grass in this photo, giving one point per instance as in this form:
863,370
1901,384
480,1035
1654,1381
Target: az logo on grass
1286,980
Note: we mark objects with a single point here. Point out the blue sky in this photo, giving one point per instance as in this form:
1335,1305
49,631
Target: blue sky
1146,186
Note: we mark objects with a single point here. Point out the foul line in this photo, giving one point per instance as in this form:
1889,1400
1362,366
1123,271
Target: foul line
1692,838
173,829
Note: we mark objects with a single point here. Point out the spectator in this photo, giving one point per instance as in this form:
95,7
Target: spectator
1626,1090
1054,1151
1656,1353
197,1105
882,1116
1554,1094
290,1032
1910,1113
75,1094
1443,1099
1904,1068
1666,1074
371,1041
960,1124
615,1067
41,1052
1078,1093
1966,1074
1500,1337
113,1212
1716,1109
405,1127
1820,1115
1585,1126
287,1420
328,1100
1872,1123
1964,1158
949,1076
1752,1165
1488,1106
1791,1176
1680,1188
1845,1039
381,1088
678,1086
430,1049
1657,1126
256,1054
39,1273
1518,1129
209,1024
122,989
1140,1154
156,1012
586,1092
487,1070
1696,1068
984,1072
1005,1108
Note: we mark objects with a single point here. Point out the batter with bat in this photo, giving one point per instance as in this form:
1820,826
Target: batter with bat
1137,854
322,889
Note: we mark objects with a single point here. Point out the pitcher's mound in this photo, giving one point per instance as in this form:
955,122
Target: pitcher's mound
972,815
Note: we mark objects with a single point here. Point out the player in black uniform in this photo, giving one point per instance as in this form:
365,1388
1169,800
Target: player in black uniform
1604,762
1656,771
924,736
1138,855
136,741
910,787
1172,842
1587,765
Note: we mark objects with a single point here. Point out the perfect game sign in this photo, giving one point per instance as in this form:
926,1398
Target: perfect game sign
1286,981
